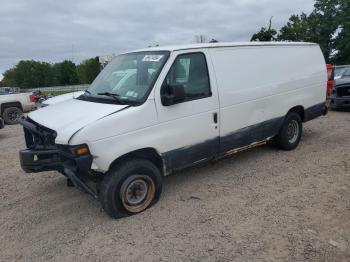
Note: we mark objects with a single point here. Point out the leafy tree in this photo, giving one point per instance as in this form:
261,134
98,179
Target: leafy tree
9,78
88,70
265,34
27,74
324,23
296,29
65,73
341,43
31,74
328,25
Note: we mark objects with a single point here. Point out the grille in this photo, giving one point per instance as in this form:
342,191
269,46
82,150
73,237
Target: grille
343,90
41,136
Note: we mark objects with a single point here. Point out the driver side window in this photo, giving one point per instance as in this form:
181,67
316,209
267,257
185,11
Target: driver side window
190,71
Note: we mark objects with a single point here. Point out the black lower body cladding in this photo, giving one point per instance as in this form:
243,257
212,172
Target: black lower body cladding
210,149
251,134
315,111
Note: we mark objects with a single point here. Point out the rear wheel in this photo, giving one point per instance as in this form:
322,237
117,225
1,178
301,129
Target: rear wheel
130,188
11,115
289,136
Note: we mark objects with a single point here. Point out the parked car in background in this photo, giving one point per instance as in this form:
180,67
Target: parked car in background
330,83
158,110
12,106
3,92
341,72
340,97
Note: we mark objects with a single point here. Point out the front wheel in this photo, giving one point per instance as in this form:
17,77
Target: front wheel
130,188
11,115
289,136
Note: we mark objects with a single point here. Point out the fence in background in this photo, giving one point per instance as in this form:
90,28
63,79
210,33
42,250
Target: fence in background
9,90
57,90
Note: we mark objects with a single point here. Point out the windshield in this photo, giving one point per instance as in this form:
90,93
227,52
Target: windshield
128,78
341,72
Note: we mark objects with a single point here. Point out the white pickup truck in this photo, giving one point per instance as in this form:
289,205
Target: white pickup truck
13,106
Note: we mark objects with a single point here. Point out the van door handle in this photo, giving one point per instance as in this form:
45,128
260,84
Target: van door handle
215,117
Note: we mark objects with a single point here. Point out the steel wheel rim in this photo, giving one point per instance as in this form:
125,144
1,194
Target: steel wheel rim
137,193
293,131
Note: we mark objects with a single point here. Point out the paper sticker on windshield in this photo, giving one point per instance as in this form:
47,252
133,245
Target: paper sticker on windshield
152,58
132,94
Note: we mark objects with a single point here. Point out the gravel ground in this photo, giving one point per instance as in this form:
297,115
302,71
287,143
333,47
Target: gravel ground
259,205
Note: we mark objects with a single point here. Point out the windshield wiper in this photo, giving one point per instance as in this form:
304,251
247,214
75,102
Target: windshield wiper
87,91
115,96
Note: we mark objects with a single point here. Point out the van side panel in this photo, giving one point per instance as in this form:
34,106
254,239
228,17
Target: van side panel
254,99
258,85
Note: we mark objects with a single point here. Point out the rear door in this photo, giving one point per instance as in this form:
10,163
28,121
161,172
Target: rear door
189,130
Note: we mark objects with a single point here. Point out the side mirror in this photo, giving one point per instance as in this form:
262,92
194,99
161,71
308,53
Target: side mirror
173,94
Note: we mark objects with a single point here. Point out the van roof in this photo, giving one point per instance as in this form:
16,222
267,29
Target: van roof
222,44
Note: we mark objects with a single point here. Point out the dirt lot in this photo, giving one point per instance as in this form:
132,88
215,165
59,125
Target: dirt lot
260,205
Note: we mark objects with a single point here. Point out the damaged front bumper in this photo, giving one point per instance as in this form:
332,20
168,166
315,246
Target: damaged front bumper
38,160
42,154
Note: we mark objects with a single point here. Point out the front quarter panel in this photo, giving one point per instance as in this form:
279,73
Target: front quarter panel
118,134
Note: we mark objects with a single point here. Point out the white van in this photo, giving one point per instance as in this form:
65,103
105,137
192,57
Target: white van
155,111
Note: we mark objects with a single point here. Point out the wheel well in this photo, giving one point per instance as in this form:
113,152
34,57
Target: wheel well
11,104
299,110
149,154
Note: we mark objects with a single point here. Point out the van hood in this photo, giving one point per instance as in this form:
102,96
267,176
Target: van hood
68,117
61,98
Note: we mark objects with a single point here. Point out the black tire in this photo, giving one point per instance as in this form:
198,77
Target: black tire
11,115
122,179
289,136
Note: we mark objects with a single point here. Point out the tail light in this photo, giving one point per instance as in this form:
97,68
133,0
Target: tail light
330,75
330,72
32,98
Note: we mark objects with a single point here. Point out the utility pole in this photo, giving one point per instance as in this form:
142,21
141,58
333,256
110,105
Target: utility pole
72,53
200,39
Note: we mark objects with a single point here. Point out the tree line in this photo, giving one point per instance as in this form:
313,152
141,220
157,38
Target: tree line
328,25
31,74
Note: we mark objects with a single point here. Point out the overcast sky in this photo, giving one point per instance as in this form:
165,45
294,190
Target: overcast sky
54,30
